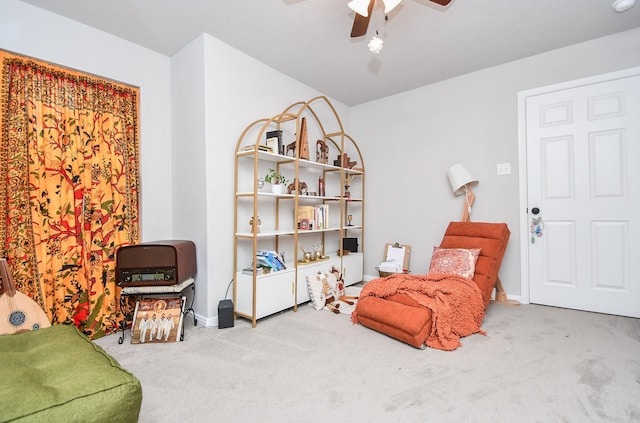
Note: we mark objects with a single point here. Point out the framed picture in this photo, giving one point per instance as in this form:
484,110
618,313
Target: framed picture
157,320
274,141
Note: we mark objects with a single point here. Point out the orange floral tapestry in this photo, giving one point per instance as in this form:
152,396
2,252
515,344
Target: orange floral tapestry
69,165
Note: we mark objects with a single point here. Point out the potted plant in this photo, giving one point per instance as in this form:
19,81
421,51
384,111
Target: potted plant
278,182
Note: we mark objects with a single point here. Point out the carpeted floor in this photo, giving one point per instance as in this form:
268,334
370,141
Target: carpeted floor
536,364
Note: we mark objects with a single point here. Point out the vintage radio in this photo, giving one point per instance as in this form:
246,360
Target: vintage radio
156,263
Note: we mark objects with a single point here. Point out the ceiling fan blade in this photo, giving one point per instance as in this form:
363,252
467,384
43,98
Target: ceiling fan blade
361,23
442,2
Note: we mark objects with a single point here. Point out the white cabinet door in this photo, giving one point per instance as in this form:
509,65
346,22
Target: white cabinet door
352,265
274,293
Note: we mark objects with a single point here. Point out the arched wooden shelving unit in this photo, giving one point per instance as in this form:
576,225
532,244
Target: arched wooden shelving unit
257,295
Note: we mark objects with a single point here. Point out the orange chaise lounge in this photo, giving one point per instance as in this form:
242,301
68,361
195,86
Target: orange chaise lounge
389,306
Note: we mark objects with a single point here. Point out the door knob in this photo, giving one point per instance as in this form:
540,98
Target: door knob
535,210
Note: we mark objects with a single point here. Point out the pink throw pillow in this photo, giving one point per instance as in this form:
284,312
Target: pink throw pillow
454,261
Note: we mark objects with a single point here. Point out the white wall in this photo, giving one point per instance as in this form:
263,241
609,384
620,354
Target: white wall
31,31
217,92
471,119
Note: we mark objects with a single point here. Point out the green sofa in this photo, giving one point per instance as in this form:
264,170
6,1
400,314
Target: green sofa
56,374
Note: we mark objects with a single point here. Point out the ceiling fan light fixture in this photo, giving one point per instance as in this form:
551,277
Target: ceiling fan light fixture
389,5
375,44
622,5
361,7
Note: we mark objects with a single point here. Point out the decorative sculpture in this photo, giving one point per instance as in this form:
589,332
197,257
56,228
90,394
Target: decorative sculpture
302,187
344,160
255,226
322,152
304,140
291,147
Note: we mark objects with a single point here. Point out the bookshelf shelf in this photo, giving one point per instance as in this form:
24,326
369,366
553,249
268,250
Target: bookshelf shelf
337,160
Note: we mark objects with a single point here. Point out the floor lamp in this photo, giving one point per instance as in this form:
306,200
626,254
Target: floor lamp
461,181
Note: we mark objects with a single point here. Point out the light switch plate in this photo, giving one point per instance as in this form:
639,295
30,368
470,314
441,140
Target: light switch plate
503,169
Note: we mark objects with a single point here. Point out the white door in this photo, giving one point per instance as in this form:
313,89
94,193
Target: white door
583,176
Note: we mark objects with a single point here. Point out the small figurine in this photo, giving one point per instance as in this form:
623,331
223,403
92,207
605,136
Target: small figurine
322,152
291,147
302,187
255,228
344,160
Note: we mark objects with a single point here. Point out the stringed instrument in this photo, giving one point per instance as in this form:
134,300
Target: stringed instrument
18,312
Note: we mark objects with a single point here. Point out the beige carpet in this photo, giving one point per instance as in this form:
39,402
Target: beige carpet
536,364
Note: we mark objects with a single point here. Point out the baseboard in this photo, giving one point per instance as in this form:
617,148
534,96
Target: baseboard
203,321
368,278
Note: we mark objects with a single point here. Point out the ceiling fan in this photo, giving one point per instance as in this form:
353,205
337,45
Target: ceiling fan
363,10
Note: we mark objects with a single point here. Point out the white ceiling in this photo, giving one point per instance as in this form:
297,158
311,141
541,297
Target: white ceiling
309,39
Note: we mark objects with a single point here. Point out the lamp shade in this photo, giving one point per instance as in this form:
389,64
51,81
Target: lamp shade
389,5
459,177
361,7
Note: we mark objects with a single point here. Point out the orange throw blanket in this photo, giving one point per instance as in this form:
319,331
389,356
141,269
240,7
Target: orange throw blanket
455,301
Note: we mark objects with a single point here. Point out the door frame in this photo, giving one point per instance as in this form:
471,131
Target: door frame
522,160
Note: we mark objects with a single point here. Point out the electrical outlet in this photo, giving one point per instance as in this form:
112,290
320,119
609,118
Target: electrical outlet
503,169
